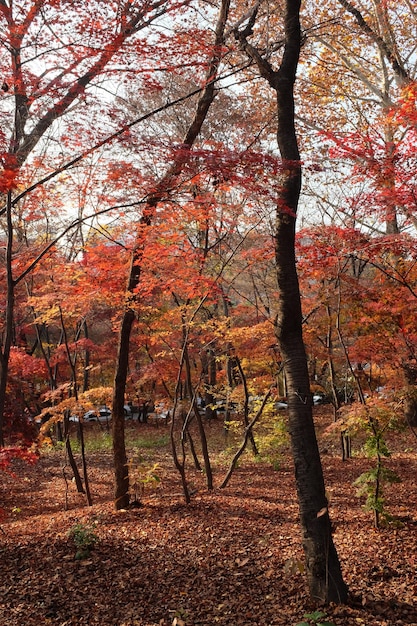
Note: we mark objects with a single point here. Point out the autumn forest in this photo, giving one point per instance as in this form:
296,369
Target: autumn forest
208,338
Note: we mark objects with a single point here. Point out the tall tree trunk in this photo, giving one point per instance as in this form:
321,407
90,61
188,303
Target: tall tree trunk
323,569
121,473
322,564
8,329
203,106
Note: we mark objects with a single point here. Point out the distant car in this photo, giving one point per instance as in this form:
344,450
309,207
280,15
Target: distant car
90,416
281,405
318,399
160,414
104,414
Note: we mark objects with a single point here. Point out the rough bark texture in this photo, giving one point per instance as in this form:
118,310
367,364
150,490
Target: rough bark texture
6,343
322,564
323,568
121,472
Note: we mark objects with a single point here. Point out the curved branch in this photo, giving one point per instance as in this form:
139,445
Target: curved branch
387,50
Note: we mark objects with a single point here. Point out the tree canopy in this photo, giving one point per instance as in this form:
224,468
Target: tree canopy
206,204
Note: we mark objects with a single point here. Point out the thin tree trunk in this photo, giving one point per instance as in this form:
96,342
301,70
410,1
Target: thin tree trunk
248,431
248,434
208,363
187,437
8,330
83,327
345,440
84,464
80,425
179,464
70,455
202,433
203,106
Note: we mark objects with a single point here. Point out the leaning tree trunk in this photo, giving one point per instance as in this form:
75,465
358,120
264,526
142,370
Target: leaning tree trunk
322,564
121,472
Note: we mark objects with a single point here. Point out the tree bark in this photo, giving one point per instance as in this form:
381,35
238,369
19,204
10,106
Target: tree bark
121,472
70,455
9,312
208,363
323,569
322,564
203,106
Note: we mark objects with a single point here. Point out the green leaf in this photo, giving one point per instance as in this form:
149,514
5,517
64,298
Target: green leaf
315,616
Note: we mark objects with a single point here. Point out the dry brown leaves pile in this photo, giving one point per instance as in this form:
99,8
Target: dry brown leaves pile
232,557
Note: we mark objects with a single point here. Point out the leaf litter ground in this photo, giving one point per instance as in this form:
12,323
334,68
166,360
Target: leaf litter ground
232,557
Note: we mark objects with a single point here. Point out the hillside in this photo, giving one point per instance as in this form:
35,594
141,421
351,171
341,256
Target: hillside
231,557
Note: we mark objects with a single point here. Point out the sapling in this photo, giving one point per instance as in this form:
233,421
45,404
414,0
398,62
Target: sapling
315,619
143,476
85,538
375,418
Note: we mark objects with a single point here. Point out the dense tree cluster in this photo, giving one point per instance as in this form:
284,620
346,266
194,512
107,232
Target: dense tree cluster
154,159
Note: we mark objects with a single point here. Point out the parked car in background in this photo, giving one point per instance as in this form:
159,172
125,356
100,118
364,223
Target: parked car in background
90,416
319,398
161,414
280,404
102,415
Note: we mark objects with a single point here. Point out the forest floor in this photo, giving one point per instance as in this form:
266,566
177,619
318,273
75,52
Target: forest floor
231,557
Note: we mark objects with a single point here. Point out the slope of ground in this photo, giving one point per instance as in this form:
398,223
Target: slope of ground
232,557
